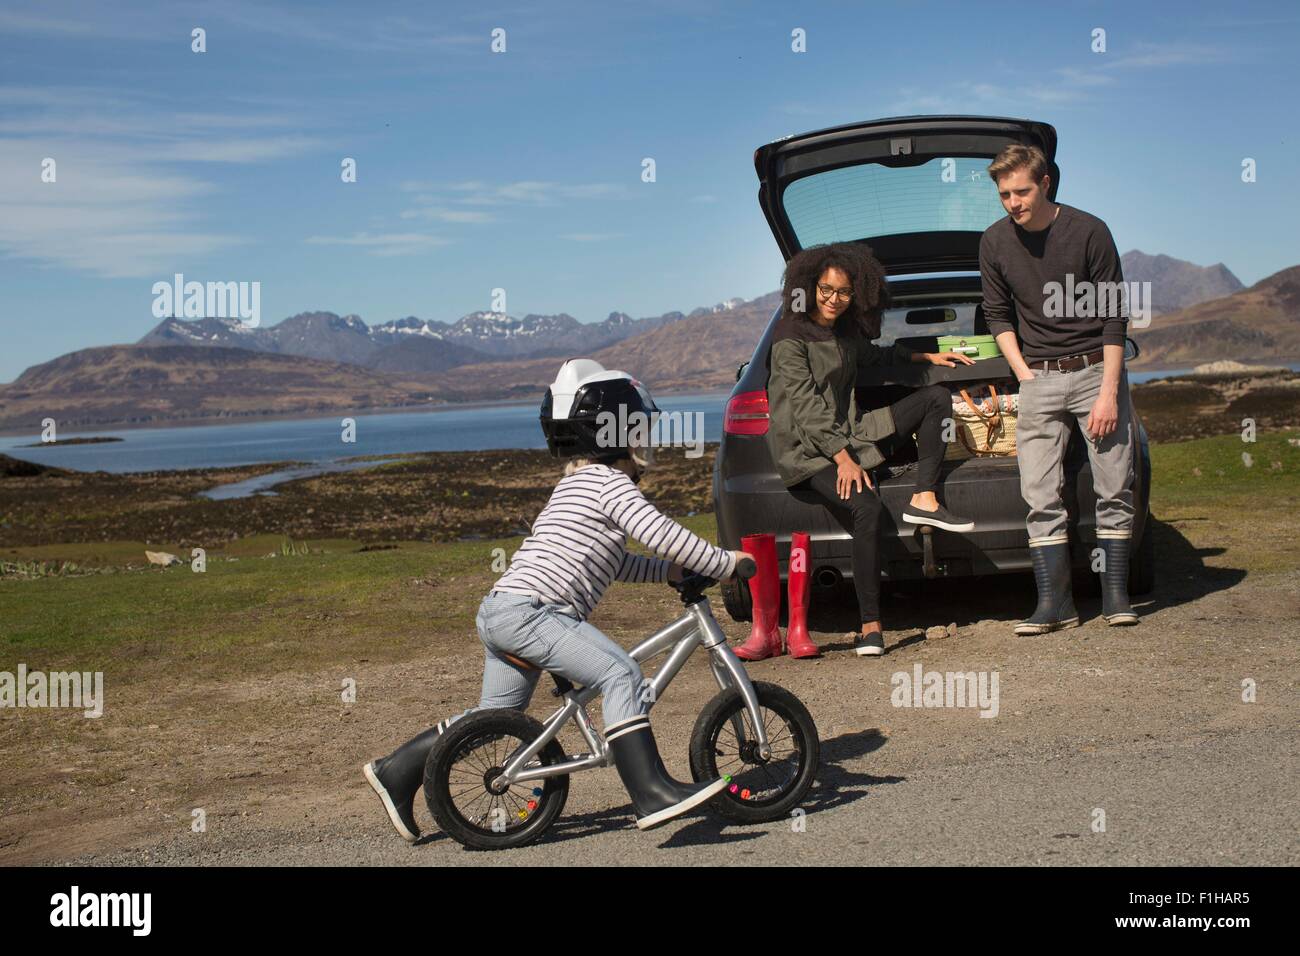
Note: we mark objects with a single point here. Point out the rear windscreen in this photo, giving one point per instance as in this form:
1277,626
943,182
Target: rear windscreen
858,202
893,322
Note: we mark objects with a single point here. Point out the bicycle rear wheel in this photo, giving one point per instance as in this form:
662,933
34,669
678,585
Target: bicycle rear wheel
458,779
723,743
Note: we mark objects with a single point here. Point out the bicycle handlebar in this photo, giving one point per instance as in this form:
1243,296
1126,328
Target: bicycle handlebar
692,585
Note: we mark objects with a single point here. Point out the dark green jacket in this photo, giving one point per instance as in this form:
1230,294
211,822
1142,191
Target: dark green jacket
810,400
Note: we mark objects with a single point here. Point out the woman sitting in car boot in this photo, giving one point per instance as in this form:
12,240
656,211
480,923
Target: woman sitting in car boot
832,303
535,616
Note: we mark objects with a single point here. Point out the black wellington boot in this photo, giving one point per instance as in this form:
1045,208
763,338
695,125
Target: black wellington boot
397,777
656,797
1114,582
1055,609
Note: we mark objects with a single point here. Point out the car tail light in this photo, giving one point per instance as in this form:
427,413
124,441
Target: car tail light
746,414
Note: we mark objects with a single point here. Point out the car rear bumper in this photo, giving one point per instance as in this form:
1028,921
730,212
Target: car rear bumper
985,490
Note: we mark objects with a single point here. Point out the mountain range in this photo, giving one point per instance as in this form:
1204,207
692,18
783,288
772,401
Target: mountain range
126,384
1176,284
322,362
410,344
1259,324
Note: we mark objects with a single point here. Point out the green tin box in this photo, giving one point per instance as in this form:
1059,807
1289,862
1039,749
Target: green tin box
972,346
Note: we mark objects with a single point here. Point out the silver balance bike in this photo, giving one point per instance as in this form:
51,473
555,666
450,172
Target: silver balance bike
498,779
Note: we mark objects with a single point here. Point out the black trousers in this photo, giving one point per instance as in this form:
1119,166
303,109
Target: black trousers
922,412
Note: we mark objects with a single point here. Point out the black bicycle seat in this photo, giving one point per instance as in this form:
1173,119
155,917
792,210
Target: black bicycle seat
562,685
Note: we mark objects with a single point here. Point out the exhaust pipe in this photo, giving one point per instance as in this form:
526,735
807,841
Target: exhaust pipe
827,577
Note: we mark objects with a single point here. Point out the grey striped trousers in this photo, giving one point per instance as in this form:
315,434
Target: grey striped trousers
552,637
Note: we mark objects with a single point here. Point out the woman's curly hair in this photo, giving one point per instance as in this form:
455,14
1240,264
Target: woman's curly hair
866,275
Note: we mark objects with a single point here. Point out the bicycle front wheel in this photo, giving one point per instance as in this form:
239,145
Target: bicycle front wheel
459,782
724,743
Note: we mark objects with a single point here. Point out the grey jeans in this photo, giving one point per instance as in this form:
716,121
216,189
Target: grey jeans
552,637
1050,403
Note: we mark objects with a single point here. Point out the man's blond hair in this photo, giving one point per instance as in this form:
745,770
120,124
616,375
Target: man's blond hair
1019,156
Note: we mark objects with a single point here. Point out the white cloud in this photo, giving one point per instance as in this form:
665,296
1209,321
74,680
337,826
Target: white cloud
359,29
1062,85
522,192
363,29
1152,55
438,202
249,150
72,24
383,244
107,213
439,214
1085,78
124,203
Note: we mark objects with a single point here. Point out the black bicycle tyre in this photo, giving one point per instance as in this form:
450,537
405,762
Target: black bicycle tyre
703,756
437,779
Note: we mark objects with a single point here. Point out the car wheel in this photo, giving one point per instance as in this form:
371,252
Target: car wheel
736,599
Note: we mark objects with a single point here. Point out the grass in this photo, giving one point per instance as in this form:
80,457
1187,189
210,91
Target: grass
39,569
282,611
1212,471
267,604
1234,515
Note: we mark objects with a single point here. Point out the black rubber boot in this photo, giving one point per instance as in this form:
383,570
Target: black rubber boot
1055,609
656,797
1114,582
397,777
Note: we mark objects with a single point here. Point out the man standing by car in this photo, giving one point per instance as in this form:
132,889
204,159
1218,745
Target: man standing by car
1058,268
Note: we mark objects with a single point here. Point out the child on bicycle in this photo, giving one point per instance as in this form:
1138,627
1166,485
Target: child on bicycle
536,613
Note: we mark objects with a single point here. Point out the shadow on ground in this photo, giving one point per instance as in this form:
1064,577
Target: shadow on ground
1181,577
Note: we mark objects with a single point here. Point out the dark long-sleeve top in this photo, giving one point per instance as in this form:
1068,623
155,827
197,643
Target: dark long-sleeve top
1018,269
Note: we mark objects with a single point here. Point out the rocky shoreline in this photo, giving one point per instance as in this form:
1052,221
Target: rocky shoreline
448,496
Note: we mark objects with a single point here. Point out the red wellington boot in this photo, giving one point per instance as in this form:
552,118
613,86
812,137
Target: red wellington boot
765,593
796,633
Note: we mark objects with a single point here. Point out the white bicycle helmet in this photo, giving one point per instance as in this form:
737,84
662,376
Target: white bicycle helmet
603,414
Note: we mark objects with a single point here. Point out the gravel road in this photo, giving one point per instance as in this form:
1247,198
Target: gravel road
1147,725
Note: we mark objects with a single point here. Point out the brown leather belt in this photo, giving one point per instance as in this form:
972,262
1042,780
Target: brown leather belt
1071,363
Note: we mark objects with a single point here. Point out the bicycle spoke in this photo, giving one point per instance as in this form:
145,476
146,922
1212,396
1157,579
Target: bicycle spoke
788,740
473,804
723,768
768,773
734,742
484,761
475,759
783,732
514,816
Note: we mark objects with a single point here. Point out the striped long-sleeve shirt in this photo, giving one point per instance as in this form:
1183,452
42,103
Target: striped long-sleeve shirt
579,542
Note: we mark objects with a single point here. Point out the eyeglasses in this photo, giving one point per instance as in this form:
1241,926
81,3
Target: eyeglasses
830,292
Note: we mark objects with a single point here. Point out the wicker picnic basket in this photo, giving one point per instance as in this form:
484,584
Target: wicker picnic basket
985,428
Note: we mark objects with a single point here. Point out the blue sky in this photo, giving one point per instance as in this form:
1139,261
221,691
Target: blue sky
522,170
